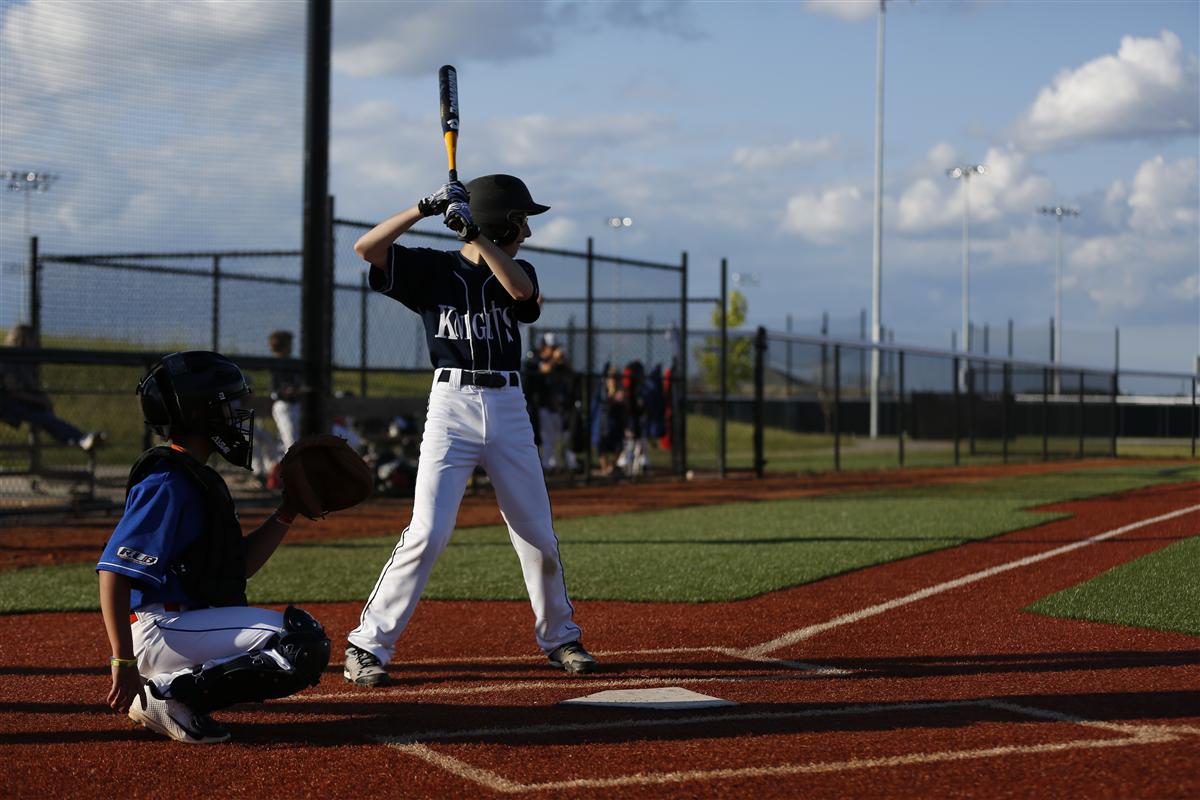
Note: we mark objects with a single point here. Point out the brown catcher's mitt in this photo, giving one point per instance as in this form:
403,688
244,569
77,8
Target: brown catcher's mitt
321,473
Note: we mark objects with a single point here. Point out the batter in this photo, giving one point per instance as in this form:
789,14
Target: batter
470,302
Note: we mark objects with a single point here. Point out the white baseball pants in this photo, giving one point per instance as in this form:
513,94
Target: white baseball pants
465,427
168,644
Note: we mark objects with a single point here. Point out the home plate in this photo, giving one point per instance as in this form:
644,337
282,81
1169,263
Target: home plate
666,697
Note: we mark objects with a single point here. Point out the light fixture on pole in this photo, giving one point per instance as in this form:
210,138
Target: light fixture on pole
27,182
1058,212
964,172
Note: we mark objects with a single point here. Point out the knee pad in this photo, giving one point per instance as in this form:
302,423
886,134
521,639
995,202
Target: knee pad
293,660
304,644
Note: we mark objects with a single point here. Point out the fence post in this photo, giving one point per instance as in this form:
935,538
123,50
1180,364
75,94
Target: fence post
900,406
1194,415
683,361
1045,414
316,290
1006,378
362,335
954,380
649,340
35,288
970,408
837,400
824,352
862,354
1081,410
722,412
590,362
987,365
571,340
788,382
216,304
760,357
1116,417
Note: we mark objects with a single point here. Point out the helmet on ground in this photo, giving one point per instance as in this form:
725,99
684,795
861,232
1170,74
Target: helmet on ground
199,392
496,202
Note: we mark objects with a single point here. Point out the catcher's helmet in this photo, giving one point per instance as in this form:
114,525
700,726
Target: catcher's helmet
199,392
495,200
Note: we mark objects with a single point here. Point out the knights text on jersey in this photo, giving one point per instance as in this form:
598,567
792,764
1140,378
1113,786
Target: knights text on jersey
164,514
470,319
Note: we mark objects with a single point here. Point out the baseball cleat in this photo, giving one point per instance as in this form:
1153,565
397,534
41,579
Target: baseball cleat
363,668
174,720
573,658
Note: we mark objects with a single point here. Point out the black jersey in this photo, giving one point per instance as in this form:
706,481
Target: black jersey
470,319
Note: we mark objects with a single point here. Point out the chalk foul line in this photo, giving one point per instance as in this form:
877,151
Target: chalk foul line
793,637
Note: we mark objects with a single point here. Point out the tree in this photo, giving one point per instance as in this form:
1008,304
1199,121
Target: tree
739,363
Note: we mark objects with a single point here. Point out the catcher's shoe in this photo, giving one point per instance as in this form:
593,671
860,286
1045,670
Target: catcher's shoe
363,668
173,719
573,658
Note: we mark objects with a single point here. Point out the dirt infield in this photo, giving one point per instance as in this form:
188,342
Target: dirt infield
918,678
81,542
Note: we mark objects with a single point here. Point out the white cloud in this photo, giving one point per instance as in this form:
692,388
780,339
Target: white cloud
1165,196
1010,186
828,216
374,39
557,232
532,140
797,151
1188,288
1149,88
849,10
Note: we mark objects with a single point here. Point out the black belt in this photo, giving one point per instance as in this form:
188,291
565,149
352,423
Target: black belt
488,380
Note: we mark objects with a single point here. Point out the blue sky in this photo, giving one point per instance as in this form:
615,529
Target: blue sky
746,130
742,130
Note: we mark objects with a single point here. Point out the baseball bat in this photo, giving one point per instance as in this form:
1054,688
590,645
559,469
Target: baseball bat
448,91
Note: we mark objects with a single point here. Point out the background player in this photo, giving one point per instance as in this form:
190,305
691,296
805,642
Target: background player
173,574
470,302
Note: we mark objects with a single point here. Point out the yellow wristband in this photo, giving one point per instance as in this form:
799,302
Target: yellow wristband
122,662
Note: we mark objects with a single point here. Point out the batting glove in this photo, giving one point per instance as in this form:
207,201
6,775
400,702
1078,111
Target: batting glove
458,219
437,202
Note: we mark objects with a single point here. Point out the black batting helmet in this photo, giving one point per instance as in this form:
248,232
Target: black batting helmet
199,392
495,200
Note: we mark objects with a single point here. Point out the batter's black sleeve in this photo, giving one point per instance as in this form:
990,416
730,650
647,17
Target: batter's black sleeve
528,311
407,275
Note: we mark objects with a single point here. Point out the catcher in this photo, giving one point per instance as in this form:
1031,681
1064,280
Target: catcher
173,574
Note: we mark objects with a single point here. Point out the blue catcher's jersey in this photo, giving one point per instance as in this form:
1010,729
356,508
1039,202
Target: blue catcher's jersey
164,514
470,319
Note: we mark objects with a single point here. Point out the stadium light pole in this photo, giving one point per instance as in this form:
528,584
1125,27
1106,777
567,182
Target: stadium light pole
964,172
27,182
1058,212
616,224
877,252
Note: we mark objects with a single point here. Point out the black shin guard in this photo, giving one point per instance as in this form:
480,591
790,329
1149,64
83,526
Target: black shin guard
259,675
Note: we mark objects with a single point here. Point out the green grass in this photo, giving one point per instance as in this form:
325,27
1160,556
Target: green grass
702,554
1159,591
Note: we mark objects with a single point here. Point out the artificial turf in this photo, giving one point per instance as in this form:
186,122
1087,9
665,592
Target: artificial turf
1160,590
698,554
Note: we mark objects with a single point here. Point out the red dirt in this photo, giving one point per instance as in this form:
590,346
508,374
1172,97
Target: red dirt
965,684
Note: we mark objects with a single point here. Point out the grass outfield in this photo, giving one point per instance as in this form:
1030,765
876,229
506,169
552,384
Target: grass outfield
1159,591
702,554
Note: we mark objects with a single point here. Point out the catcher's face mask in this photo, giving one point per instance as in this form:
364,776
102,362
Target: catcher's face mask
231,430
